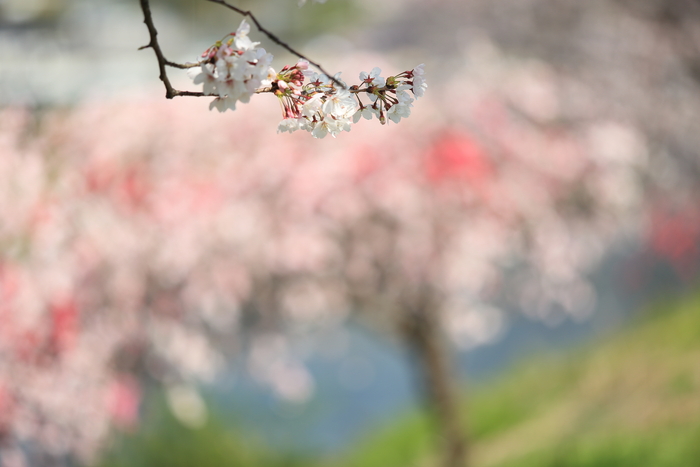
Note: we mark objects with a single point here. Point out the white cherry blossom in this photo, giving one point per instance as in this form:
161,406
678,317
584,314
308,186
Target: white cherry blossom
419,84
373,77
206,76
290,125
223,104
312,107
340,104
398,111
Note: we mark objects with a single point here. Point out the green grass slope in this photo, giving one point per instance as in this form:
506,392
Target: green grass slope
632,399
162,441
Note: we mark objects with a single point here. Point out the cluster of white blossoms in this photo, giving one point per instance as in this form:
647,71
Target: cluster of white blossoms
328,106
389,97
233,70
321,107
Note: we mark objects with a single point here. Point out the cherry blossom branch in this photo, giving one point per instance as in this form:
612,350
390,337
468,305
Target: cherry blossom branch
276,39
233,69
163,62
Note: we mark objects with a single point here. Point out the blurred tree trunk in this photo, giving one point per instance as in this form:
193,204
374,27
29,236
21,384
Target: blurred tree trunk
422,332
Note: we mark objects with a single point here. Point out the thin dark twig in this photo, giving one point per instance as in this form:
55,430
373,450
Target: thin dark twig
183,66
170,92
276,39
